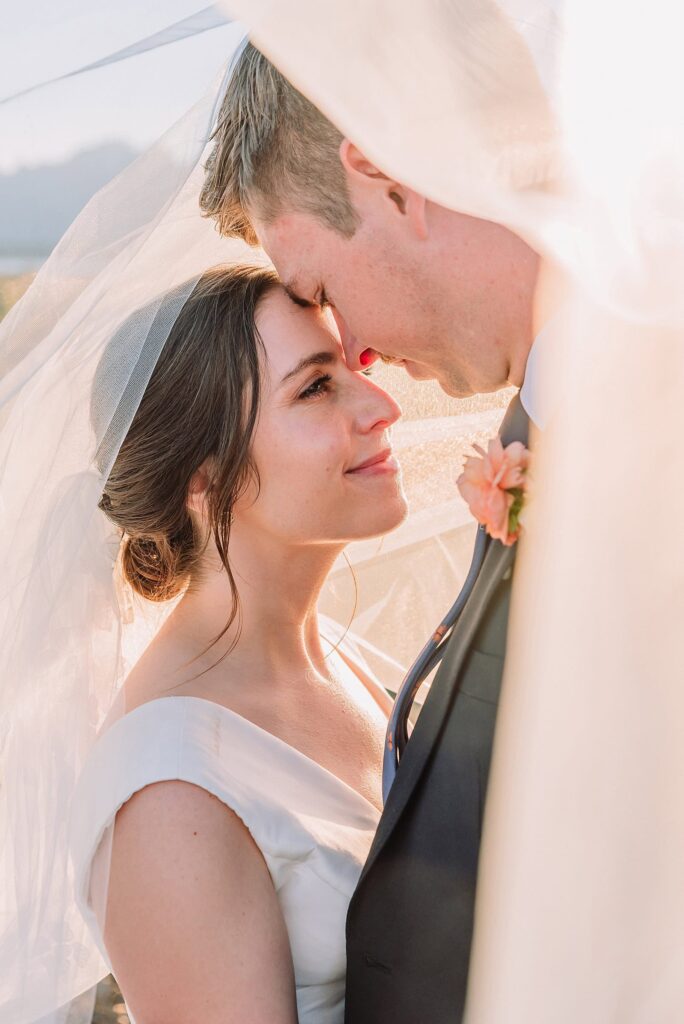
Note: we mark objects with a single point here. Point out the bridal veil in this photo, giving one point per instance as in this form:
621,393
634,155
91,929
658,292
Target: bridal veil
69,628
562,124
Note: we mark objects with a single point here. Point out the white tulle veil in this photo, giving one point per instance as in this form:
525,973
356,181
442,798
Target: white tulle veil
508,111
68,629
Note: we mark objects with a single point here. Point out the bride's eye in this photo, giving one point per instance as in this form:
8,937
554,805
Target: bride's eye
319,387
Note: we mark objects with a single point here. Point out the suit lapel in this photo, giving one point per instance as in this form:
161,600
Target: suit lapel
444,689
515,425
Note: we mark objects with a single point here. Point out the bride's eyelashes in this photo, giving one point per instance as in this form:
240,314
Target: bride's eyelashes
320,386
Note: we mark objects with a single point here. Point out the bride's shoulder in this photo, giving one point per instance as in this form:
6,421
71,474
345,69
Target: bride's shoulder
165,753
152,792
138,744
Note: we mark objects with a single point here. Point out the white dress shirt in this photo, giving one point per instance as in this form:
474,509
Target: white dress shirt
534,393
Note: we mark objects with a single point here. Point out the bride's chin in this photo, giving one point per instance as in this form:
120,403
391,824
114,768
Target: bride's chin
393,516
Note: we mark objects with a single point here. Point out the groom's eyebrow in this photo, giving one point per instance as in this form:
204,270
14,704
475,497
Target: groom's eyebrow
291,291
319,359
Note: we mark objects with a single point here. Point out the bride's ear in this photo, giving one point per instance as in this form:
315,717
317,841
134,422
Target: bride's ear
405,201
199,485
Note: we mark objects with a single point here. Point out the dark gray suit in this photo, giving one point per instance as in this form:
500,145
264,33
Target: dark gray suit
410,920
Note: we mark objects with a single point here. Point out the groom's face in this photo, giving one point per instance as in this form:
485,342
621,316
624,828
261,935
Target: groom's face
450,300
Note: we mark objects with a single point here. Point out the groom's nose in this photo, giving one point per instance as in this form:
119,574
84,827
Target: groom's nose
357,355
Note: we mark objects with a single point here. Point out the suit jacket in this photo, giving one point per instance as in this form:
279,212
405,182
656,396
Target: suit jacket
410,921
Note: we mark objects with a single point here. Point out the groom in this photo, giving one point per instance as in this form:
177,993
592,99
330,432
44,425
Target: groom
450,298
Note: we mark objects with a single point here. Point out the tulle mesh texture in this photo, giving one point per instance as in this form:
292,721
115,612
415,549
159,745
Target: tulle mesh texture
64,619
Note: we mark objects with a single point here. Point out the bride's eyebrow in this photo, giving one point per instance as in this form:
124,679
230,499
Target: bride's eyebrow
319,359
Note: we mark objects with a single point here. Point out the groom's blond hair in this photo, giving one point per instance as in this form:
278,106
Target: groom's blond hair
273,152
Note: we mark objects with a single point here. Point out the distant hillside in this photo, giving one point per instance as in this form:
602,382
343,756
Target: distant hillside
38,204
11,290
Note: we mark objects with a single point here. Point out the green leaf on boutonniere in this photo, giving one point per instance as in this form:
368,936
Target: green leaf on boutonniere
515,510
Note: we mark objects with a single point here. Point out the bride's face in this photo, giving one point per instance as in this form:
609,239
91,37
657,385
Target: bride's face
322,443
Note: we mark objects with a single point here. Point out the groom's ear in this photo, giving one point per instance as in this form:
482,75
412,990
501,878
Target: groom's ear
404,200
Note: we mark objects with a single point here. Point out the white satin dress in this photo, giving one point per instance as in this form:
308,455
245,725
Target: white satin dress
313,830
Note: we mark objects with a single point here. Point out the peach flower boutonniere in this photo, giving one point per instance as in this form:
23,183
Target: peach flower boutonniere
494,485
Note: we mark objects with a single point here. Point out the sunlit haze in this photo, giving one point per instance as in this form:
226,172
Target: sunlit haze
133,101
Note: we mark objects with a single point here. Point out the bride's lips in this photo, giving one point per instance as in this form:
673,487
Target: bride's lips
381,462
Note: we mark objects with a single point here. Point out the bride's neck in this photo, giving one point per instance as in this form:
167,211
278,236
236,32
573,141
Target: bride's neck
278,587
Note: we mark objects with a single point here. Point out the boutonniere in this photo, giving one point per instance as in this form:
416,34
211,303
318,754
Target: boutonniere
493,484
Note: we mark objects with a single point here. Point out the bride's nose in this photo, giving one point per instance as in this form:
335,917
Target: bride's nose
377,410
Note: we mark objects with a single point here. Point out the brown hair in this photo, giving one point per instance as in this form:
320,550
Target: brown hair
273,150
202,401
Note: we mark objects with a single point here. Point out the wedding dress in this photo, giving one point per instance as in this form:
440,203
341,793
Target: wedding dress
313,830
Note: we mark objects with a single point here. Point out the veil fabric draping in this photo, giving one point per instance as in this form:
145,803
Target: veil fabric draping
70,629
505,111
564,125
204,20
57,41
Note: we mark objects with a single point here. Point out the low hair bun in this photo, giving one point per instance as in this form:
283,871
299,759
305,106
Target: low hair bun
158,567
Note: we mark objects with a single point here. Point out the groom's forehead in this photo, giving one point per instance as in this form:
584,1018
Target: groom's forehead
297,243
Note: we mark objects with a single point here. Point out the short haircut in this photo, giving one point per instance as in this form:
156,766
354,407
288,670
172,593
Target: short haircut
273,152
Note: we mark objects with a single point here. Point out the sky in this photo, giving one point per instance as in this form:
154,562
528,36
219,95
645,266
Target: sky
134,100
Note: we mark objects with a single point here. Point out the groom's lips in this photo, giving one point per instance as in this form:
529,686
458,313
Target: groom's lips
415,370
382,462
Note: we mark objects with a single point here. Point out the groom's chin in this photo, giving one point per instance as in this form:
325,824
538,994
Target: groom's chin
453,385
452,388
417,371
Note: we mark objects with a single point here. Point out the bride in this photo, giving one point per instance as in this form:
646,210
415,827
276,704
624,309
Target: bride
242,782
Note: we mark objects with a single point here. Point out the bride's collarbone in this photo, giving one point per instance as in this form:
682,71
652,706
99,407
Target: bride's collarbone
339,733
